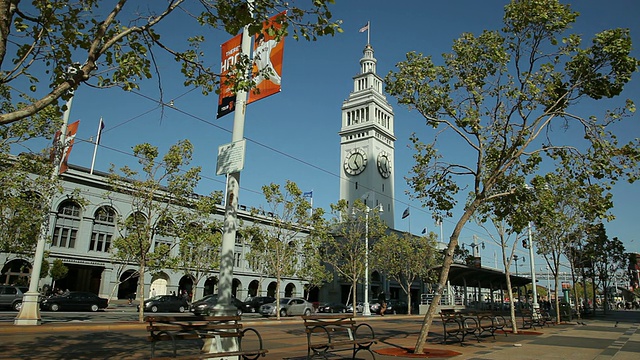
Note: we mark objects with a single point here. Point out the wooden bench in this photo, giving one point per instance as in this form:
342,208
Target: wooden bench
490,323
547,317
209,328
452,325
531,319
460,325
337,333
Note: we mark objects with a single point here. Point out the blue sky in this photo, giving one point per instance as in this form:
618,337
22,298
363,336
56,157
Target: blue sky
294,135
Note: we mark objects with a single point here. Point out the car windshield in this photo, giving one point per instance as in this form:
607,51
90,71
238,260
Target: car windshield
209,298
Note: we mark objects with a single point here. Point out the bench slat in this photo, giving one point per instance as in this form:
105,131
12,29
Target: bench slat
176,328
341,331
212,355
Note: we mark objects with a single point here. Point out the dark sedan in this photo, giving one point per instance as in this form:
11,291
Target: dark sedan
396,307
206,305
165,303
253,304
75,300
332,308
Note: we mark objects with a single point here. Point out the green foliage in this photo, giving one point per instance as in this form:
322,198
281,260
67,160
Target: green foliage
284,242
41,40
25,180
606,256
405,258
156,195
58,270
345,249
200,238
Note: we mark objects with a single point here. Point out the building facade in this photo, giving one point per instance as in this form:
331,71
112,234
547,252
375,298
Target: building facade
82,233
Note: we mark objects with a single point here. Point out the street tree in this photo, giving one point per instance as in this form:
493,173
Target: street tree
561,208
500,215
345,249
118,44
154,194
281,233
314,271
58,271
406,258
503,102
26,184
606,256
200,238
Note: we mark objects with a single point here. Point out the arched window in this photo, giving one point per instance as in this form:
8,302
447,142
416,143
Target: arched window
67,224
104,225
165,233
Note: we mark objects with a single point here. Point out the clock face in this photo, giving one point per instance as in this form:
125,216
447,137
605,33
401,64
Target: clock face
384,164
355,161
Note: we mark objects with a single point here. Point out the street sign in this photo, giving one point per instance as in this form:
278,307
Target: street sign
231,157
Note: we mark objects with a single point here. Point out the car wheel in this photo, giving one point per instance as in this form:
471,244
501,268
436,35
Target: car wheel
239,312
54,307
154,309
95,307
283,312
307,312
17,305
181,309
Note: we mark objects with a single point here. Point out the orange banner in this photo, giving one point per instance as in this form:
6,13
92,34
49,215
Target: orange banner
69,138
267,61
230,54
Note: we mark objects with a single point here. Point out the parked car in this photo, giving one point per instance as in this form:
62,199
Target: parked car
374,307
332,308
11,296
166,303
74,300
393,307
253,304
288,307
359,307
396,307
205,305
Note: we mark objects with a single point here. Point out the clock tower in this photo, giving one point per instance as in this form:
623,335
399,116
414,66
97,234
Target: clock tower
367,142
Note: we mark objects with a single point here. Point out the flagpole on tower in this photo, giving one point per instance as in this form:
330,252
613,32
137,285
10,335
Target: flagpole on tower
368,33
366,28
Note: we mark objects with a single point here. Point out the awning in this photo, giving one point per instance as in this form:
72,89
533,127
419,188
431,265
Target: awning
464,275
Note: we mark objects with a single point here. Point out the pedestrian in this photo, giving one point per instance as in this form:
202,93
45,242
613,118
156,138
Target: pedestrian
153,292
382,299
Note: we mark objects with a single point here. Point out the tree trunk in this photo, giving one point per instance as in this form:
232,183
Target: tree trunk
409,299
444,275
557,301
141,291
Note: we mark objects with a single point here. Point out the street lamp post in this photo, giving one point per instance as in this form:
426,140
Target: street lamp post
366,311
29,313
516,258
534,303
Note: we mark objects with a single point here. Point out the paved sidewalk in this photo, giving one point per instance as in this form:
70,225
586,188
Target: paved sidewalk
615,336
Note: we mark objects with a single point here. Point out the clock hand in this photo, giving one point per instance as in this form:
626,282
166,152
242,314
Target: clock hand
352,163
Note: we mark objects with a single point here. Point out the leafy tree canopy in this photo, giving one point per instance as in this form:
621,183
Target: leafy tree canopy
50,47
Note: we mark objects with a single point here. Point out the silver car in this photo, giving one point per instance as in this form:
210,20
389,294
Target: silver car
288,307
